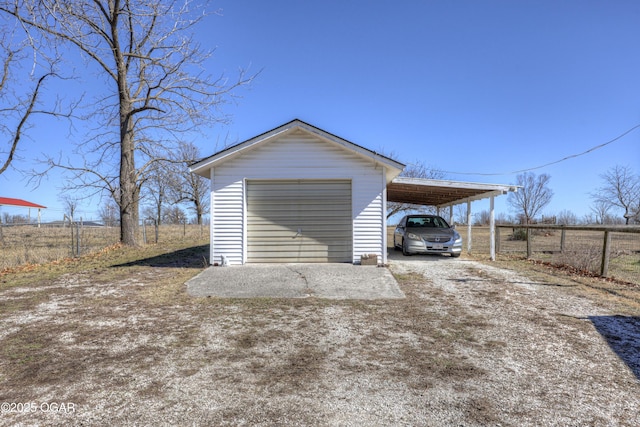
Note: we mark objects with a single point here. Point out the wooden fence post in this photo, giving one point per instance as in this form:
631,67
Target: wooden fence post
604,267
497,240
529,251
562,240
78,238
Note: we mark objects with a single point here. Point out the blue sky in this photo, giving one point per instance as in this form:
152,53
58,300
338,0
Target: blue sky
479,89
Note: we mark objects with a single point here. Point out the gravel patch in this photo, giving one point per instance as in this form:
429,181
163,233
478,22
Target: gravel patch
471,344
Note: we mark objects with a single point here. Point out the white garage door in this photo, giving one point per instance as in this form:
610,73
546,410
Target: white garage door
299,221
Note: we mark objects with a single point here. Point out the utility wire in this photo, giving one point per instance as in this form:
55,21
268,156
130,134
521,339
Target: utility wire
551,163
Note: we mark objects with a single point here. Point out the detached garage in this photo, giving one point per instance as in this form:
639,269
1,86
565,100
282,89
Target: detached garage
297,194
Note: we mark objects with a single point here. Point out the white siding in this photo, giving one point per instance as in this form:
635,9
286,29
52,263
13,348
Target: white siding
296,155
227,219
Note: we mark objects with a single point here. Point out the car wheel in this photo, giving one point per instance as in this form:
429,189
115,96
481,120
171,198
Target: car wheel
455,255
405,252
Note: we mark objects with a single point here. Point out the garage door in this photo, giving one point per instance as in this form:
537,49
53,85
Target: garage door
299,221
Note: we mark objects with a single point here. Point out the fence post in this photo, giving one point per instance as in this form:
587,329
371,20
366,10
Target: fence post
529,238
562,240
492,229
78,238
498,240
604,267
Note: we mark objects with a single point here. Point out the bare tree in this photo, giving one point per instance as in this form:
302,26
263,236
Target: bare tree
566,217
460,213
174,215
190,187
156,87
482,218
414,170
621,190
600,209
109,213
70,204
22,81
532,197
157,188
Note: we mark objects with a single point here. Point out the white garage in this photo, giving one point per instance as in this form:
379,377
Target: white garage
297,194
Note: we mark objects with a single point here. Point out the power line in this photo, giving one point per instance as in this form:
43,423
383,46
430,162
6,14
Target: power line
551,163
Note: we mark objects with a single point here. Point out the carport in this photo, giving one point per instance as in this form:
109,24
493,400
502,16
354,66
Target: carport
444,193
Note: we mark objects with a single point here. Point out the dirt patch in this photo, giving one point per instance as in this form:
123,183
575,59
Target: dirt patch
471,345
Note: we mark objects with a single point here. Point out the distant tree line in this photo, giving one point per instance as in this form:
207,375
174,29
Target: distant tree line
616,202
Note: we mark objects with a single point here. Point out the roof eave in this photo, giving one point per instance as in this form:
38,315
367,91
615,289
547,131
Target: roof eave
393,167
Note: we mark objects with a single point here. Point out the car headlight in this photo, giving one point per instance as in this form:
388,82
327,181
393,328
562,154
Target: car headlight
413,236
457,238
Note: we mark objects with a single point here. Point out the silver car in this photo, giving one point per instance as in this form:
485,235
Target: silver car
426,234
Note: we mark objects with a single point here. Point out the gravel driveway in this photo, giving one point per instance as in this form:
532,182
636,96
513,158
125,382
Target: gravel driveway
470,345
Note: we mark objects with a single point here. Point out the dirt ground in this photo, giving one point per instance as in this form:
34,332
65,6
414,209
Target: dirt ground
471,345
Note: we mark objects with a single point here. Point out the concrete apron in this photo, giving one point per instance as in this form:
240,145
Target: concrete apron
332,281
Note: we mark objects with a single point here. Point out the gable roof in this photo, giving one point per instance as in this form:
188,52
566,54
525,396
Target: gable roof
8,201
203,166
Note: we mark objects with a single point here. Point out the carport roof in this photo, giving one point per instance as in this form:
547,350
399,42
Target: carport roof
440,193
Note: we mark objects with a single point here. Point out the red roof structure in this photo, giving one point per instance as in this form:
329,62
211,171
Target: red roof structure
8,201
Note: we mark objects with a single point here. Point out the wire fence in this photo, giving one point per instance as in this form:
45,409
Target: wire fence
30,244
607,251
583,248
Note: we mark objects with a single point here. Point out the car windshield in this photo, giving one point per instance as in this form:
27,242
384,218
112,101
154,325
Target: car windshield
426,221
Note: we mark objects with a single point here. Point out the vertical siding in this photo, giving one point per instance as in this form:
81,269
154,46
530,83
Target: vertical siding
297,155
227,219
368,222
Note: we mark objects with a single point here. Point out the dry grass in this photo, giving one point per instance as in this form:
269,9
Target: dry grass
24,245
116,334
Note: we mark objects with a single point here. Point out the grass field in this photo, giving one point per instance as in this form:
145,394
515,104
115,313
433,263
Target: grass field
22,245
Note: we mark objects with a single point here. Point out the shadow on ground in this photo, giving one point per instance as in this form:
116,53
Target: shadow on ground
194,257
397,255
623,336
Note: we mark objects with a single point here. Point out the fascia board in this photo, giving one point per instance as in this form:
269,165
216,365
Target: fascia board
456,184
202,166
360,151
394,168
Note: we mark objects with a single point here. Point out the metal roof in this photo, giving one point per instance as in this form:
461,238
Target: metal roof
440,193
8,201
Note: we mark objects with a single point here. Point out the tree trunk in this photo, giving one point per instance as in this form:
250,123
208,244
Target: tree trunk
199,210
128,188
128,204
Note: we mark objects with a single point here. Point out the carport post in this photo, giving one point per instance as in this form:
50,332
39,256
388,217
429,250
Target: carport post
469,226
492,229
450,214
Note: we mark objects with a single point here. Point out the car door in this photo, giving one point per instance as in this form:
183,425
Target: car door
398,234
